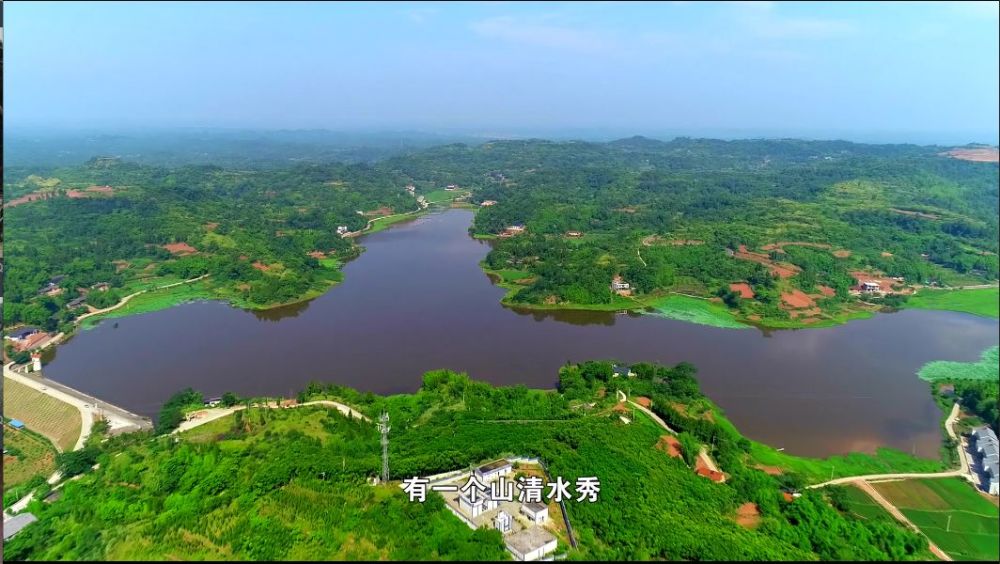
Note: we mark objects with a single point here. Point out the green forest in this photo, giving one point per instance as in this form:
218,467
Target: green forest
294,483
791,220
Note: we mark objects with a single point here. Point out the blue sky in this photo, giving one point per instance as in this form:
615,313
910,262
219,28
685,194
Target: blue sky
895,71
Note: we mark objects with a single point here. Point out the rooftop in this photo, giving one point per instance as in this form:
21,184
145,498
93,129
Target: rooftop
491,466
529,539
535,507
14,525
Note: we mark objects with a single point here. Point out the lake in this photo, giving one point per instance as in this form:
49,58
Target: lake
416,300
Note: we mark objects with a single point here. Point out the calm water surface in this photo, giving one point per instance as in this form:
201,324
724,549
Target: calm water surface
416,300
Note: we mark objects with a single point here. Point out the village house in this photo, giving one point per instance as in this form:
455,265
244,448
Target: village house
19,335
411,189
620,287
451,187
870,287
621,371
76,302
531,544
488,203
212,402
493,470
574,234
536,512
101,286
342,230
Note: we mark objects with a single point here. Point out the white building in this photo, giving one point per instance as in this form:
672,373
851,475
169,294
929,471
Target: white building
341,230
870,287
493,470
482,504
538,513
988,449
487,203
530,544
503,522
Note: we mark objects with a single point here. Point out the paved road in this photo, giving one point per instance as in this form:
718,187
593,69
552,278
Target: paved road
879,499
89,406
211,414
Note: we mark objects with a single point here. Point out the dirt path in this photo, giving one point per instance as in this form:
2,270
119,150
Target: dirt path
622,398
218,413
130,296
877,497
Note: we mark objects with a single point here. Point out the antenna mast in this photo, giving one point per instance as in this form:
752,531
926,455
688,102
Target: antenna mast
383,427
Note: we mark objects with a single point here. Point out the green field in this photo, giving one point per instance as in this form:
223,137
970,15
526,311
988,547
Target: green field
984,301
43,414
694,310
951,513
988,368
28,455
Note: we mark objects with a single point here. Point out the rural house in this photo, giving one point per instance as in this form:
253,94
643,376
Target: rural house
493,470
536,512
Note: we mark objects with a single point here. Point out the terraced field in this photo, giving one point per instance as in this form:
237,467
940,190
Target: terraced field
951,513
57,421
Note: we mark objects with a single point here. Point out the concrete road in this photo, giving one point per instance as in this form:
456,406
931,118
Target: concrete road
119,419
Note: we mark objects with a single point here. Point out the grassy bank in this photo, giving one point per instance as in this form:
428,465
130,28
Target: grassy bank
816,470
694,310
982,301
987,369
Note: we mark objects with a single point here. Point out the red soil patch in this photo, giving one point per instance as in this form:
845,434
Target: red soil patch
34,196
90,191
703,471
382,211
317,255
778,246
842,253
983,155
261,266
644,401
780,271
787,497
120,265
797,299
670,445
748,515
743,289
769,470
827,291
180,248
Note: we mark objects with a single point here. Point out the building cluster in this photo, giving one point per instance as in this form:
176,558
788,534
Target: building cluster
27,337
512,230
521,523
988,451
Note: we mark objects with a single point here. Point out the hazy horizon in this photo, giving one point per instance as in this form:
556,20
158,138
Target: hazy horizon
875,73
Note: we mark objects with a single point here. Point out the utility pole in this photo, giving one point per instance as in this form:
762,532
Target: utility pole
383,427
